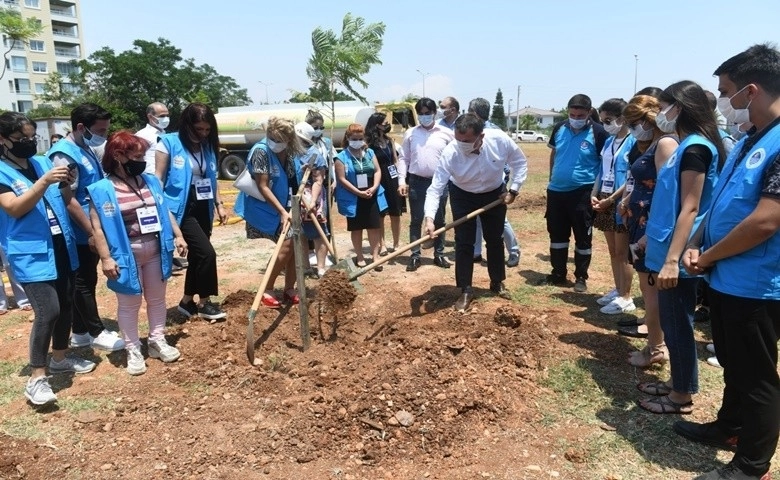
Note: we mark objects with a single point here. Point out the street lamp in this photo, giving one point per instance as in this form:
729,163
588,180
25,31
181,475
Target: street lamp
509,113
423,75
636,69
266,89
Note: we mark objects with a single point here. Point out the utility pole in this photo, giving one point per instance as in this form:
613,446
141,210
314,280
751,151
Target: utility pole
509,113
517,124
266,90
423,75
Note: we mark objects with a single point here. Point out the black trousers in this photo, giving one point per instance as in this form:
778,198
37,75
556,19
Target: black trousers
52,302
201,276
462,203
86,318
418,186
745,332
569,212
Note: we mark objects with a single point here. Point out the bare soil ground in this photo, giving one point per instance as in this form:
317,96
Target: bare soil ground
405,388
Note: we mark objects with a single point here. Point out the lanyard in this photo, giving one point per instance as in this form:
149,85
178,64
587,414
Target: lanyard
356,162
138,193
612,167
92,158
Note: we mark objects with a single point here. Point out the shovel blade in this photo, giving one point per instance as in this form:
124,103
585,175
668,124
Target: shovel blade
351,269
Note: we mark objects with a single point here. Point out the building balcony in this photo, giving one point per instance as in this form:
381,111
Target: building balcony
9,3
66,52
63,14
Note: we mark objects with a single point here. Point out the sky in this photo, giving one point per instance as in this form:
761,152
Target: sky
550,50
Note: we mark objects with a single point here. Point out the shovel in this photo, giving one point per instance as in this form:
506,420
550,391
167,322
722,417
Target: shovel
354,272
250,327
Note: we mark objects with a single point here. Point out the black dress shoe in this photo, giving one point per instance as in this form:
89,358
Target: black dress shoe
500,290
463,302
707,433
413,265
478,259
632,331
441,261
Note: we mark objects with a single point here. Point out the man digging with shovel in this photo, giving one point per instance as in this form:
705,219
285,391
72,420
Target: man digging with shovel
473,166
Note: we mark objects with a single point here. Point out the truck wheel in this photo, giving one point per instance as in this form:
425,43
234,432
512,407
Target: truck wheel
230,167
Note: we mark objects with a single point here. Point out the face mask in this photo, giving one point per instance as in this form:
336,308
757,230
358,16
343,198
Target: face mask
426,120
134,168
613,128
465,148
734,115
94,140
163,122
577,124
23,148
665,125
317,133
276,147
640,133
356,144
386,128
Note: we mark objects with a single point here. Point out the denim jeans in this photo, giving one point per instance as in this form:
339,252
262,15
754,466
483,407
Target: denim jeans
510,239
676,306
417,190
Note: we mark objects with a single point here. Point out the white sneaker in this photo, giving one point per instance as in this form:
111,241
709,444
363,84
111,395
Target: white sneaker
606,299
135,360
38,391
711,348
71,364
109,341
160,349
78,340
714,362
618,305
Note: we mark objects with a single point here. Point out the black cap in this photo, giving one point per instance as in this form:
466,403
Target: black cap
580,101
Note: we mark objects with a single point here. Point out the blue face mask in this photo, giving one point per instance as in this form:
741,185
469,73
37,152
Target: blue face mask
577,123
426,120
94,140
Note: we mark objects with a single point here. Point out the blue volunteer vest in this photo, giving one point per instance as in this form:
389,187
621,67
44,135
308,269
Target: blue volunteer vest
756,272
262,215
665,206
621,164
103,196
27,240
346,200
577,161
90,171
179,176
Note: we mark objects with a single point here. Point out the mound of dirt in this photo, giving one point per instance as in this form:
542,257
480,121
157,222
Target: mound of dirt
335,291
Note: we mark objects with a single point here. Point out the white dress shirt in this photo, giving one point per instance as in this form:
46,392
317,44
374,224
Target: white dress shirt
151,134
420,151
477,172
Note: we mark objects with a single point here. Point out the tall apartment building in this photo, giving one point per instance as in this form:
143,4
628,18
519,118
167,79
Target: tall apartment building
28,65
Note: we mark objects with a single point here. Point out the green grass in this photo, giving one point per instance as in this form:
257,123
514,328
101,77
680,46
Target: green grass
11,385
27,425
81,404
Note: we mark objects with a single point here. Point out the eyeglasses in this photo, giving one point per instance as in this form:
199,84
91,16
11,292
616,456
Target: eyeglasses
33,139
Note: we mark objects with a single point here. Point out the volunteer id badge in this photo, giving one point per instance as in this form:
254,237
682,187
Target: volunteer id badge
54,225
392,171
362,180
630,185
148,219
608,183
203,189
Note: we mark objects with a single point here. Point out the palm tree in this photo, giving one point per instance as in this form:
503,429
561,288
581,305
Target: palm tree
343,60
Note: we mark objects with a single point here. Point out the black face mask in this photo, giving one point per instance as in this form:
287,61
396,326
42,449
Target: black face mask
386,128
23,148
134,168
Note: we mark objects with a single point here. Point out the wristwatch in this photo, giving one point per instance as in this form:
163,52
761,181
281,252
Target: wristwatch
513,192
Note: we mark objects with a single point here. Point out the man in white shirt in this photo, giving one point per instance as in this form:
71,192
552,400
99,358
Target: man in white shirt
158,118
473,166
420,152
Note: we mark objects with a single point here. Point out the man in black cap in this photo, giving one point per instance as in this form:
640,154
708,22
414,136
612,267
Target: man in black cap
575,159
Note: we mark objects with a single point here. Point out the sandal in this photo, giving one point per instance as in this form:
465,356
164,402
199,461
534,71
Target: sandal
666,405
270,301
655,389
648,356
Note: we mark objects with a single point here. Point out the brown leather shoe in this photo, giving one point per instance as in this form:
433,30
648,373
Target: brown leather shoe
462,304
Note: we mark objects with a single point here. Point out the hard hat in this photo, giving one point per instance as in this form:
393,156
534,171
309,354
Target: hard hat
305,131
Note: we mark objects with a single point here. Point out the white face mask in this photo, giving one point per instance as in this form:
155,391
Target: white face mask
664,124
577,123
356,144
95,140
465,148
641,133
613,128
163,122
275,147
734,115
317,133
426,120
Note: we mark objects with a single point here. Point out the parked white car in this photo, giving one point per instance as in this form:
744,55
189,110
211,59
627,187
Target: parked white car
530,136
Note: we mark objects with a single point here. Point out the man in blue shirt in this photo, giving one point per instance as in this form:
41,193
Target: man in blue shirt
575,158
